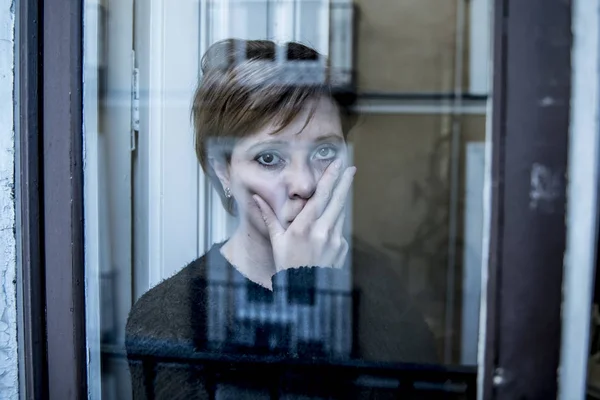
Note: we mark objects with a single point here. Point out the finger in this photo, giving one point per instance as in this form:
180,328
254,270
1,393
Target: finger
269,217
317,203
338,198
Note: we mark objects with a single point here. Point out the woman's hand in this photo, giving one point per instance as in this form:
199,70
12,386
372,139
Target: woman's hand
315,237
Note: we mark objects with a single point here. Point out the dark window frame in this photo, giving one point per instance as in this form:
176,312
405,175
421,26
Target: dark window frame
51,199
523,133
62,145
532,50
29,176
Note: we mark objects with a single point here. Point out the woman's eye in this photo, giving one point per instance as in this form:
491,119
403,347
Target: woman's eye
268,159
325,153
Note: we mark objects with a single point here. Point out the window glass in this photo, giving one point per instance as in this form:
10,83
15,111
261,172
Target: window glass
284,198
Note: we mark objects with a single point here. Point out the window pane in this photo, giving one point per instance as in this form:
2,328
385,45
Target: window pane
336,282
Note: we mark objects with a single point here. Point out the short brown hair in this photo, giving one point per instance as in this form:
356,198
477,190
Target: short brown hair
244,86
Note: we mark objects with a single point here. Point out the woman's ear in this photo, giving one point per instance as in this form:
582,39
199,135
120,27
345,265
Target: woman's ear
221,168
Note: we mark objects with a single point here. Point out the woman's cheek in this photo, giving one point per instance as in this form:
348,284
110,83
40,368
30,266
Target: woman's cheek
271,192
319,169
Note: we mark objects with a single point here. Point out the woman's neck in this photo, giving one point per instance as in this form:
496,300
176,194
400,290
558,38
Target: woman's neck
251,254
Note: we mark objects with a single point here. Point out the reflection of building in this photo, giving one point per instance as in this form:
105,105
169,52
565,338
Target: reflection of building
313,311
301,319
327,26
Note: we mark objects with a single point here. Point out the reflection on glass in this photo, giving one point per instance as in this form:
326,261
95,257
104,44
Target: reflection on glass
230,255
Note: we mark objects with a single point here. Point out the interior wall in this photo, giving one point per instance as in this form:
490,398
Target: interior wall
402,186
406,46
401,205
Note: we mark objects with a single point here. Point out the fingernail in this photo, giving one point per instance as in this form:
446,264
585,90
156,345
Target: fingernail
337,164
353,170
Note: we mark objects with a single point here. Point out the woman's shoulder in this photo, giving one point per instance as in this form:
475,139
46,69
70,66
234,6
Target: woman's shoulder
162,314
389,312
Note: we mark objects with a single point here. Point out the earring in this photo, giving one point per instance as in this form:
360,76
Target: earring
227,192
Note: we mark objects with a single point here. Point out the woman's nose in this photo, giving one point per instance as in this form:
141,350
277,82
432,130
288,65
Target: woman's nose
301,181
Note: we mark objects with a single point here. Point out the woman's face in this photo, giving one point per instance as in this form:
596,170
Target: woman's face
284,168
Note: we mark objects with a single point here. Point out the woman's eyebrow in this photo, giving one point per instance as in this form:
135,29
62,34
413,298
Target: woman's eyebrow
268,142
329,137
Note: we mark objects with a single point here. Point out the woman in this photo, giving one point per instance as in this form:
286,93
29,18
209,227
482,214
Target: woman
273,143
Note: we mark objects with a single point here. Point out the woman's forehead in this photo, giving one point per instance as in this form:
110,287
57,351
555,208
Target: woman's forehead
307,126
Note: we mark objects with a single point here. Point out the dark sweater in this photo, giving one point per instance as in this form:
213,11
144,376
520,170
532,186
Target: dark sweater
170,341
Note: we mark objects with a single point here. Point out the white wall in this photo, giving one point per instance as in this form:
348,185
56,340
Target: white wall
9,384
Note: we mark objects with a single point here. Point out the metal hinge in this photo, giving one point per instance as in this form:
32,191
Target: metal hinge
135,104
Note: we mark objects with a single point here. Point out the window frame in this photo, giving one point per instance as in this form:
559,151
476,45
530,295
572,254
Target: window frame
51,187
52,290
62,146
31,298
519,359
